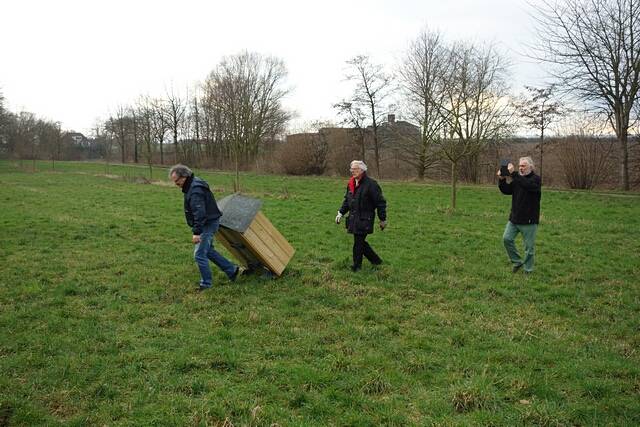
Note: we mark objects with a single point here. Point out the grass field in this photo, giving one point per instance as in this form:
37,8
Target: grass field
100,323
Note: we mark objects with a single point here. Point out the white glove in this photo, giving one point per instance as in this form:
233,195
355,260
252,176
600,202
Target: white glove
338,217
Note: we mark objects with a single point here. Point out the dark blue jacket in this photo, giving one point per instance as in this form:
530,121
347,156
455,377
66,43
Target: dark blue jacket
525,197
200,206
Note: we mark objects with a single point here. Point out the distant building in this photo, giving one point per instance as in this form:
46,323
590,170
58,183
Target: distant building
394,132
346,144
75,139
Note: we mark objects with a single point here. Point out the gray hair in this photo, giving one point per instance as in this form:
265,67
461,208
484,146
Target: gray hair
180,171
360,164
529,161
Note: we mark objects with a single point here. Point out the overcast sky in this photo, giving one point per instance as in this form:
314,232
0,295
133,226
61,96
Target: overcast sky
76,61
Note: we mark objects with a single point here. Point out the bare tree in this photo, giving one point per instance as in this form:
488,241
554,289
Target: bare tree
104,140
135,130
539,110
117,128
595,47
194,123
160,125
145,112
422,75
50,139
211,113
175,115
305,150
25,137
475,109
303,154
372,86
245,94
585,160
353,116
4,119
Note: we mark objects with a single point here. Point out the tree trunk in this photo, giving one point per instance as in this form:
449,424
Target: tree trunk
454,182
236,184
175,142
541,152
625,162
377,153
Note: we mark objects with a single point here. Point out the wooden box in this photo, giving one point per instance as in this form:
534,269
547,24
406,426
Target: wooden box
250,236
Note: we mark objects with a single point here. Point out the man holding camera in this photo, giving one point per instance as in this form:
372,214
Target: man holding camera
525,191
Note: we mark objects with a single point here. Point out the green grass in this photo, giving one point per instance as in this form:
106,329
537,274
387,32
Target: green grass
100,323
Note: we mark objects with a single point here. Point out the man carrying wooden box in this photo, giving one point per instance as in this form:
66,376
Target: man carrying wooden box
203,216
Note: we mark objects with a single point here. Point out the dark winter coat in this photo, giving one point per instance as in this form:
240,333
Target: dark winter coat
525,194
362,205
200,206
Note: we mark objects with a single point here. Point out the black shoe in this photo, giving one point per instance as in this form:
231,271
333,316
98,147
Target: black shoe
355,268
516,268
377,262
203,288
234,276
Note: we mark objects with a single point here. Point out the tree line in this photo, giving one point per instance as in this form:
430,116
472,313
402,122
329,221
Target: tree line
25,136
225,120
456,93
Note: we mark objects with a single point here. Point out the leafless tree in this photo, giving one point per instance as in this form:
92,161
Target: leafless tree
145,111
305,150
175,110
539,110
134,124
160,124
25,137
245,93
475,108
353,116
422,79
585,160
104,139
595,48
4,119
117,128
303,154
211,113
193,123
50,139
372,86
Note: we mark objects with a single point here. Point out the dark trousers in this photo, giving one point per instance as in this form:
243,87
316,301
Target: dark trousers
360,248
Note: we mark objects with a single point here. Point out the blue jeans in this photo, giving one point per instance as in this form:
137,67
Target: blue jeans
204,252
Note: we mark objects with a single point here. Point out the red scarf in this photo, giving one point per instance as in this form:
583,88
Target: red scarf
353,186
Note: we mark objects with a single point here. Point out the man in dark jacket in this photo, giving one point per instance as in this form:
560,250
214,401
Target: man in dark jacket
525,191
203,216
362,199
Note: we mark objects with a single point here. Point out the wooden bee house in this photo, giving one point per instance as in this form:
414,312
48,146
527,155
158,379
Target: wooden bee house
250,236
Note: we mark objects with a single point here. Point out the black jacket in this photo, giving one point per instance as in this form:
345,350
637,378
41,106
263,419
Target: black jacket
525,199
200,206
362,206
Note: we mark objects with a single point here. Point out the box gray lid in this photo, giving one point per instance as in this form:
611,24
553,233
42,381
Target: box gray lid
238,211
